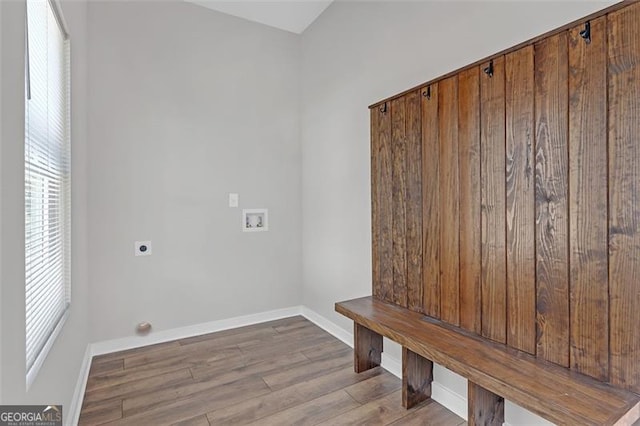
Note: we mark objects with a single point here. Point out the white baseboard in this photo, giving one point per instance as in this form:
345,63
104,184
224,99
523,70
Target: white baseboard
117,345
328,326
441,394
76,402
449,399
392,365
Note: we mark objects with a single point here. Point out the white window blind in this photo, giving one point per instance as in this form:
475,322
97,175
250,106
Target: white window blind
47,181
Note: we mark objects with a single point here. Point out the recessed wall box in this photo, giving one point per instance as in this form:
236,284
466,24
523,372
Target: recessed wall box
255,220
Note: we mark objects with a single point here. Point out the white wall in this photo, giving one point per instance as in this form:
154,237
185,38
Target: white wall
355,54
186,105
57,377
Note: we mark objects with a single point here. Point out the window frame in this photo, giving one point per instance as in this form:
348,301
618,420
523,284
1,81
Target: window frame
64,201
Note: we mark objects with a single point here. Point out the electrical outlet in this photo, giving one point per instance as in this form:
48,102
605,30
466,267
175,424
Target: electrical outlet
143,248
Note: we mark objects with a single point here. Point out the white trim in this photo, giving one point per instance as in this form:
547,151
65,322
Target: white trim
73,416
328,326
392,365
449,399
32,373
117,345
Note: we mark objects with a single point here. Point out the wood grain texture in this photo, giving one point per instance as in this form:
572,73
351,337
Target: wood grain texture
624,195
429,414
379,412
399,208
589,300
376,285
194,421
493,228
384,208
105,367
417,375
312,412
414,201
449,201
553,392
552,214
237,392
143,401
485,408
99,413
520,182
469,169
127,389
254,409
306,371
431,203
373,388
367,348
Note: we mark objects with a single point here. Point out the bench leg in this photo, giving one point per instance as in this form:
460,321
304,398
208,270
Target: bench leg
485,407
417,375
367,348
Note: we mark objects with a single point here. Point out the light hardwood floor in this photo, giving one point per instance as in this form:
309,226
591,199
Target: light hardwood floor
284,372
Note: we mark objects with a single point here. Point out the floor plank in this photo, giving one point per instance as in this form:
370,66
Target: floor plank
282,372
430,413
99,413
377,412
304,373
194,421
123,390
374,388
266,405
312,412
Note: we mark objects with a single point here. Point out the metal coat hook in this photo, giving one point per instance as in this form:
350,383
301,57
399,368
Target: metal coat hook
383,108
427,93
586,33
489,70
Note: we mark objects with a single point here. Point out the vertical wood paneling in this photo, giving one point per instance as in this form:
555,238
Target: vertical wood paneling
399,172
384,206
430,203
375,200
552,215
492,139
469,168
588,201
624,195
414,202
449,199
520,182
509,205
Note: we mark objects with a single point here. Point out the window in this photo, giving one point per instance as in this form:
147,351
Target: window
47,181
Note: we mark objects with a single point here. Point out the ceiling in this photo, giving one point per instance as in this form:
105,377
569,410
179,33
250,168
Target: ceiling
292,15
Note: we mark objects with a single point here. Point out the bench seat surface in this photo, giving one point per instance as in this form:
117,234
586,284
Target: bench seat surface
551,391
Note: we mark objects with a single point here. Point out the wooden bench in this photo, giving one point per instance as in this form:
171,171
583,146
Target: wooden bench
494,371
